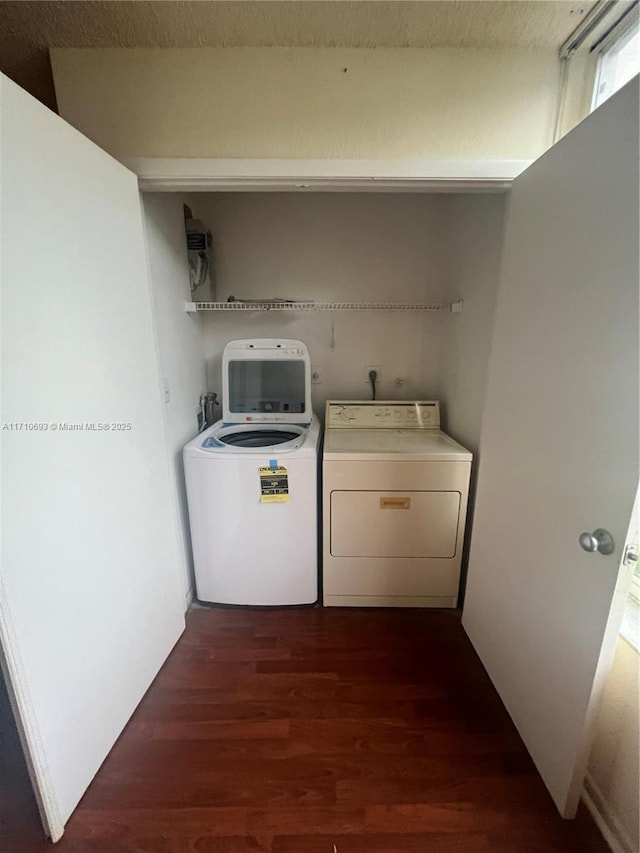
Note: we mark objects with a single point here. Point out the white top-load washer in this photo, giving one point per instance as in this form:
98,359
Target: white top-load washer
395,490
252,481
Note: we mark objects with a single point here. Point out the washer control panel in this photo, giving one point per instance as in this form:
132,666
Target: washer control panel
382,414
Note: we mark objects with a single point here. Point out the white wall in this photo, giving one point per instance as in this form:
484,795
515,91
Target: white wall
328,247
368,248
302,103
473,254
474,248
613,779
180,349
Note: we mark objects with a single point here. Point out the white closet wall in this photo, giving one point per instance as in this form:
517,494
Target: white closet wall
367,248
333,247
326,247
472,267
180,350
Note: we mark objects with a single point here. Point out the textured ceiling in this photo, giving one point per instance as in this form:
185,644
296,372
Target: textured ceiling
28,29
297,23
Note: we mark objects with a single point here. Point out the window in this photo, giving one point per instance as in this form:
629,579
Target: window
630,629
635,584
619,62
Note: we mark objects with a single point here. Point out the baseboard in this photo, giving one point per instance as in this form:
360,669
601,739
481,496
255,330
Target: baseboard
612,830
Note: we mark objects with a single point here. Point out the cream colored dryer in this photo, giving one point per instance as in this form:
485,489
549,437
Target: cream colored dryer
395,492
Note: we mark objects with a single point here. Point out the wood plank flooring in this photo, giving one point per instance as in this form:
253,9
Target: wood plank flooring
317,731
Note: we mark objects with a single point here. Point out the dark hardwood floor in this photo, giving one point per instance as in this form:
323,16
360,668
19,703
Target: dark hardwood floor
316,731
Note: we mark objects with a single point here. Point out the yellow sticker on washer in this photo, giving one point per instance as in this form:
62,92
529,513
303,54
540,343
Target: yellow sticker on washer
274,485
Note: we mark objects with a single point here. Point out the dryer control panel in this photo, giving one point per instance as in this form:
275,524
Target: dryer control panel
382,414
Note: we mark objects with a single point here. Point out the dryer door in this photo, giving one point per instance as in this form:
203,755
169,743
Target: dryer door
394,524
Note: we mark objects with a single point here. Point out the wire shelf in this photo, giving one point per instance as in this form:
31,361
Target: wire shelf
267,305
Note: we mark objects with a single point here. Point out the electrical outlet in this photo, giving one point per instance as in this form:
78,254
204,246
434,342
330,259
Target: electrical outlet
316,378
368,368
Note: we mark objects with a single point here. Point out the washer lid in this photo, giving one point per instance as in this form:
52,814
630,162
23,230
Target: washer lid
266,380
362,445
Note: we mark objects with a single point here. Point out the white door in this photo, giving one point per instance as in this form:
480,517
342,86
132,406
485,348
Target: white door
90,601
559,443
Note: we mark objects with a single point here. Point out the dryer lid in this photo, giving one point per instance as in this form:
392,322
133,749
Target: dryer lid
266,380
